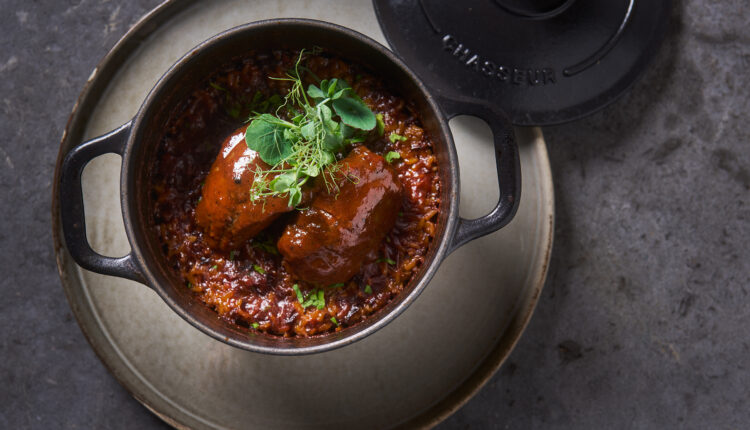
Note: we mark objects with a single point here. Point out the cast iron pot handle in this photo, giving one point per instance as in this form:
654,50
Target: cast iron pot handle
71,207
508,170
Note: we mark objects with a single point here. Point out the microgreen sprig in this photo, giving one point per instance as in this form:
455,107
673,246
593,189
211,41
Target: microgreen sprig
322,121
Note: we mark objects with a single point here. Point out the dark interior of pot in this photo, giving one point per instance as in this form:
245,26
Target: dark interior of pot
193,70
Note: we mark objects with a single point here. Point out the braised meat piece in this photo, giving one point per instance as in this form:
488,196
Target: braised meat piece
225,212
330,240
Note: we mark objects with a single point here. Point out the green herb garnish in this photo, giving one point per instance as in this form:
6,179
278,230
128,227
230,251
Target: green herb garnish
259,269
300,297
392,155
217,86
314,298
394,137
214,267
386,260
233,255
305,145
380,124
267,246
333,320
255,325
339,285
368,289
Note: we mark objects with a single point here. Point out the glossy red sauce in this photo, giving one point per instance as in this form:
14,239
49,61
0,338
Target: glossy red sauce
249,283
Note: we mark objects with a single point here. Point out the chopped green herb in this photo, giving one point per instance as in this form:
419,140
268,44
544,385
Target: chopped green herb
267,246
315,298
190,285
333,320
233,255
300,298
339,285
392,155
217,86
306,147
214,267
381,124
259,269
386,260
200,198
394,137
255,325
368,289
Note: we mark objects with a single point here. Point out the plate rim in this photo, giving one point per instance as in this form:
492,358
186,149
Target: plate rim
92,92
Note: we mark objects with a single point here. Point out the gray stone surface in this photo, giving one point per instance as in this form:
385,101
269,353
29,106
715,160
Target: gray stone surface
644,320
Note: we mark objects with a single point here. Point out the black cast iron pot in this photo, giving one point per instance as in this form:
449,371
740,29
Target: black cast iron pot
137,140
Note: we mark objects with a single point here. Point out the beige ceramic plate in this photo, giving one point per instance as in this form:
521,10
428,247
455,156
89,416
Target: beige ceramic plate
414,372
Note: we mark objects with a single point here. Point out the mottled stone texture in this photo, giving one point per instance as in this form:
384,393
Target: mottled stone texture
644,321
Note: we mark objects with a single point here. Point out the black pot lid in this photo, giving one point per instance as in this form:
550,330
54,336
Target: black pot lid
541,61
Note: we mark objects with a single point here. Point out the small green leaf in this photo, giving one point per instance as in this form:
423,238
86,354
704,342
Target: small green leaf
315,92
324,87
295,196
255,325
355,113
214,267
392,155
325,114
308,131
312,170
332,87
284,182
259,269
333,320
380,124
333,141
266,135
368,289
347,131
339,285
386,260
289,135
340,93
394,137
327,157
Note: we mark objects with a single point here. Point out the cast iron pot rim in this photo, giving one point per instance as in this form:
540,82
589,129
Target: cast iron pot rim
403,300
